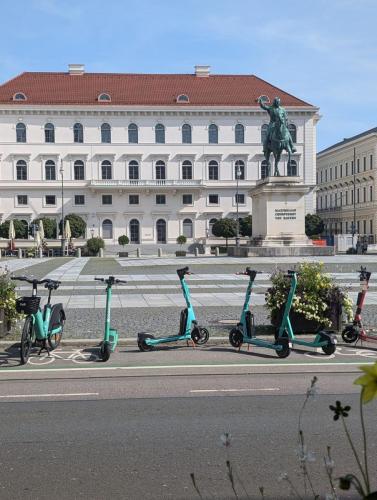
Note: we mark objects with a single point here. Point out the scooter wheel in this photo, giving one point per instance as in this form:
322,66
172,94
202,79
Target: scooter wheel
144,347
105,351
329,348
285,350
350,334
235,338
200,335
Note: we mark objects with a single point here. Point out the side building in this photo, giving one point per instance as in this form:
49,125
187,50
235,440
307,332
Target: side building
346,186
147,155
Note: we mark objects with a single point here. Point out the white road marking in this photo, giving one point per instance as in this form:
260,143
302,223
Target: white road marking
236,390
50,395
178,367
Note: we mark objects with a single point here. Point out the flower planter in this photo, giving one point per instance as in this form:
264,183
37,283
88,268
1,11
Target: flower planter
123,254
302,325
180,253
5,324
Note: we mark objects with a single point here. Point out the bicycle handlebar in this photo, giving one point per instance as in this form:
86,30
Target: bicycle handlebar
35,281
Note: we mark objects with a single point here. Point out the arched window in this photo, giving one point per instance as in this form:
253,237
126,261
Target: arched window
160,170
210,226
183,98
19,96
50,170
49,132
104,97
186,133
263,169
21,170
293,131
187,169
78,133
105,133
106,170
134,231
239,133
292,168
161,231
79,170
21,132
159,133
133,170
187,228
107,229
213,170
213,134
133,135
239,170
264,130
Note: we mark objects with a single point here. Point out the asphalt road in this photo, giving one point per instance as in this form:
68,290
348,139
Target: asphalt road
140,437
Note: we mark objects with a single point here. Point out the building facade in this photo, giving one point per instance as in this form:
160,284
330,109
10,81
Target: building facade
150,156
346,179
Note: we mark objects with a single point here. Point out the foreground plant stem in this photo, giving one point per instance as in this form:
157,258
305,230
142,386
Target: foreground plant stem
367,484
353,449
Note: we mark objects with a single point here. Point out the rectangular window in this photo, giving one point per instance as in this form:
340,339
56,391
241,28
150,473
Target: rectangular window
330,174
352,169
371,193
79,199
341,170
133,199
358,165
213,199
160,199
371,226
321,177
365,226
336,171
364,163
370,162
50,199
364,194
352,195
358,195
240,198
21,199
107,199
346,168
326,175
187,199
346,198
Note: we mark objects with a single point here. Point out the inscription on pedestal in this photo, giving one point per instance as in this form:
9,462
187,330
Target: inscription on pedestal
285,214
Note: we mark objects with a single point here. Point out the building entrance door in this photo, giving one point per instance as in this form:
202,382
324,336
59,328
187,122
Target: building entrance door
134,231
161,231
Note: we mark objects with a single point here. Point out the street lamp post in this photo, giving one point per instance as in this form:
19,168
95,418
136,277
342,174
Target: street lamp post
354,198
238,175
63,229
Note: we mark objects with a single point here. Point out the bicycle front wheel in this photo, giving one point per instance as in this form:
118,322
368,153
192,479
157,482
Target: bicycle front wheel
55,338
26,339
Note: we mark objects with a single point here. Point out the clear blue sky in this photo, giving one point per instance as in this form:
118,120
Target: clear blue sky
323,51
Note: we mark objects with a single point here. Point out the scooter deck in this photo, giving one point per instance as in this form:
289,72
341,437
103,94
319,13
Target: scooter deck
164,340
264,343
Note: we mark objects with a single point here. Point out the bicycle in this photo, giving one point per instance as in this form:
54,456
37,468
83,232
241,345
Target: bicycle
42,329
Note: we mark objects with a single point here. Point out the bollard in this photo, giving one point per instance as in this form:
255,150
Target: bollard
40,253
196,252
78,252
101,252
19,253
159,252
138,254
217,251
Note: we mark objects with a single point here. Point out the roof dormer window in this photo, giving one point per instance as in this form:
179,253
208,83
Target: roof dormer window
183,98
19,96
104,97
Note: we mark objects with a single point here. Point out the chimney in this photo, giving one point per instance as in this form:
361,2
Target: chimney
202,70
76,69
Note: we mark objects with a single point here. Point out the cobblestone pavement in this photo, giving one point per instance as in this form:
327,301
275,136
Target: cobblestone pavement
152,299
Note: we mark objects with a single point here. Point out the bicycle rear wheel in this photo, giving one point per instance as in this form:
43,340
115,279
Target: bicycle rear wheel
26,340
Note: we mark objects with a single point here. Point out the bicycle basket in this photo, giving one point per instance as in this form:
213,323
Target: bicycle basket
27,305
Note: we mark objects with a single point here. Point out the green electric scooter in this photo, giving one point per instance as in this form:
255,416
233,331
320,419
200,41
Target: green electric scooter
325,340
244,332
110,338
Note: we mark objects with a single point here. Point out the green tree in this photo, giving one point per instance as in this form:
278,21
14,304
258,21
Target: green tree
225,228
313,225
20,228
77,224
181,240
94,244
246,226
123,240
49,226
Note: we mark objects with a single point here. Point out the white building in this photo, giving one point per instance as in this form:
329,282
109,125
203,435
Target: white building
150,156
346,178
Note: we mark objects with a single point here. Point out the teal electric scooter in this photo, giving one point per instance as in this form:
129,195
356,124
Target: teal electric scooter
188,328
110,338
244,332
325,340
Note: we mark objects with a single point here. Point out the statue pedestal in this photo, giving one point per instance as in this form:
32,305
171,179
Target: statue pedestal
279,220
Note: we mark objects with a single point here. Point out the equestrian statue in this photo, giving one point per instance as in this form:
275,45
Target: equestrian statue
278,137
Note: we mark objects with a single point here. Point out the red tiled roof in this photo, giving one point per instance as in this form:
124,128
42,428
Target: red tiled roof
141,89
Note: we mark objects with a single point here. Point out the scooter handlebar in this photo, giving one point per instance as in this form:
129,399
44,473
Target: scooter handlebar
99,279
120,281
182,272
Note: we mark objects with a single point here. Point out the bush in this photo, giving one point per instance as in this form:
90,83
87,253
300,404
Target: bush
123,240
225,228
181,240
77,224
20,228
49,226
246,226
313,225
94,245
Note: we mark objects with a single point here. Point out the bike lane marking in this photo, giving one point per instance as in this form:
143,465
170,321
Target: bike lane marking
235,390
70,394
